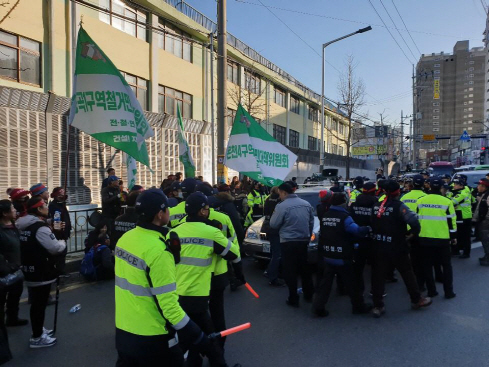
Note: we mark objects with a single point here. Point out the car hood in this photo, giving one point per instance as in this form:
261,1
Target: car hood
256,226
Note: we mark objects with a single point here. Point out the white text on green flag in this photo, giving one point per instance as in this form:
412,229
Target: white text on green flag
255,153
132,171
103,105
183,149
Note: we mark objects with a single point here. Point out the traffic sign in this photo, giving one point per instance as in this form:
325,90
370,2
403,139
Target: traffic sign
465,136
428,137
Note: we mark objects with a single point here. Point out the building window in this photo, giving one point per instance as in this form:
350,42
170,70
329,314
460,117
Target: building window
471,75
295,104
436,123
20,59
340,150
436,129
436,104
470,102
175,41
471,62
471,82
313,113
312,143
279,133
169,98
465,103
437,65
341,128
435,111
436,117
437,71
469,128
471,109
334,149
233,73
140,88
471,95
471,69
279,97
230,116
125,18
470,115
334,127
294,138
252,82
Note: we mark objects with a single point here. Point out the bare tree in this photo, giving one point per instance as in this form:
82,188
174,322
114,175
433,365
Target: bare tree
250,93
351,91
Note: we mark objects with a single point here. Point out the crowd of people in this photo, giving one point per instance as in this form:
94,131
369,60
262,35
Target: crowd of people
174,249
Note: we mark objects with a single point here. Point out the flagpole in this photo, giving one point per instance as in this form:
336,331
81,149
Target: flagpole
213,127
67,157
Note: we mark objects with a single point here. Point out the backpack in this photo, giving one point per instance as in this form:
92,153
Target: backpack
87,267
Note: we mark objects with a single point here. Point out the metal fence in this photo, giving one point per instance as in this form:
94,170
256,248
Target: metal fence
80,229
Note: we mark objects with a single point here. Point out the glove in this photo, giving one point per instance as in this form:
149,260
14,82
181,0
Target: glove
174,246
238,271
192,335
216,224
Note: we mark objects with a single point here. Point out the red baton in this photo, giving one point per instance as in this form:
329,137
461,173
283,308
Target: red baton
252,291
230,331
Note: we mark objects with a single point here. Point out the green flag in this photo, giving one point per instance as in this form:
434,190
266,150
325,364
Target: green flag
183,149
103,105
255,153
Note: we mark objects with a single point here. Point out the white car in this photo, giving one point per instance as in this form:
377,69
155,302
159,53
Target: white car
256,243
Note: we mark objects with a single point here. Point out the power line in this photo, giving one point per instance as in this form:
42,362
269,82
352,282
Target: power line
392,20
400,16
347,20
297,35
397,43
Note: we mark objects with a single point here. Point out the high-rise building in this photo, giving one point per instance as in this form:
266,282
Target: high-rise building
450,95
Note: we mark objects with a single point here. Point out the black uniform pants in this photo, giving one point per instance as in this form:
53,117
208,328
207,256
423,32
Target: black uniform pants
39,301
417,262
294,262
146,351
383,260
326,277
362,257
11,297
216,304
464,231
441,256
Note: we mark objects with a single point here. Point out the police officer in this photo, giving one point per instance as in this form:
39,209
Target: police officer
178,212
411,201
126,221
199,242
147,312
361,212
389,223
358,183
438,230
256,201
337,239
461,200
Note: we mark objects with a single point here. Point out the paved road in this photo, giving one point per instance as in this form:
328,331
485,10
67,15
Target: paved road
449,333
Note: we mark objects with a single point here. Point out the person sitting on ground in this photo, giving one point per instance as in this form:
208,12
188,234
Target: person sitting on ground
103,261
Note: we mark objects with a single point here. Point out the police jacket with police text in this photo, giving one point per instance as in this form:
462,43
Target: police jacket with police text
337,234
390,227
438,220
146,300
361,209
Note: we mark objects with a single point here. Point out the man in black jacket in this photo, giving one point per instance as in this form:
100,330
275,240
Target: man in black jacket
336,256
111,202
58,204
126,221
361,212
390,247
224,202
9,263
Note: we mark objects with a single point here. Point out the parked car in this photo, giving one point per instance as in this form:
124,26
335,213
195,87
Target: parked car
256,243
473,177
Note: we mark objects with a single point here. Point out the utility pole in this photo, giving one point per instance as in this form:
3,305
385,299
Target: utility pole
413,136
221,89
213,122
401,151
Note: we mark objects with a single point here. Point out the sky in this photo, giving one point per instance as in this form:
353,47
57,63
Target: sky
290,33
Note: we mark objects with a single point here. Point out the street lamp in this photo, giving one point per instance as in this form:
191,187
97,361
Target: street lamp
321,141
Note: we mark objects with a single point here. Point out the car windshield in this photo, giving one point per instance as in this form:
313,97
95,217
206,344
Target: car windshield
312,198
